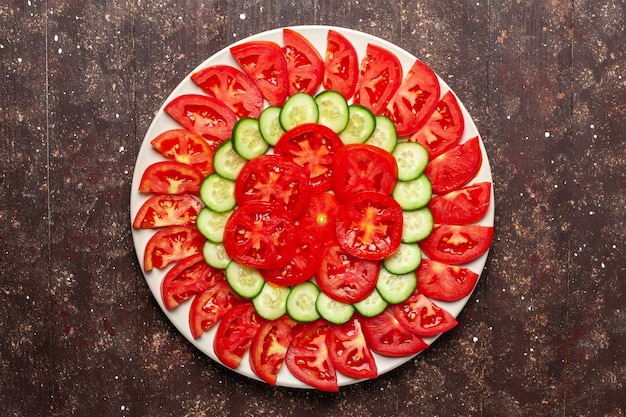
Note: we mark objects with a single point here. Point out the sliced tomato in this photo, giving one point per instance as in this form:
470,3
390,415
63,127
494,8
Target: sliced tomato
233,87
304,64
380,76
312,146
456,245
444,282
207,116
444,127
170,177
423,317
349,351
208,307
370,226
386,336
308,358
463,206
415,100
260,235
360,167
234,334
269,348
341,65
188,277
320,216
274,179
343,277
171,244
162,210
185,146
266,66
456,167
302,266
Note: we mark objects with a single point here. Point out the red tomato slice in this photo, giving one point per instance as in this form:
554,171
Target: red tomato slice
370,226
302,266
345,278
423,317
360,167
233,87
206,116
269,348
188,277
208,307
184,146
444,282
162,210
304,64
320,217
456,245
266,66
463,206
308,358
234,334
260,235
274,179
386,336
311,146
379,77
415,100
455,168
341,65
170,177
444,127
171,244
349,351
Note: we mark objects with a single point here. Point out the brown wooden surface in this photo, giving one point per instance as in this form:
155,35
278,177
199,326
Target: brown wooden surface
544,332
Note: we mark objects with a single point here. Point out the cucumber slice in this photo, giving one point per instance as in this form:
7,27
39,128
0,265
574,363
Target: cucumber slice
227,162
405,259
247,139
301,302
414,194
417,225
412,159
394,288
333,110
298,109
211,224
361,124
271,302
384,135
215,255
371,306
245,281
218,193
269,125
333,311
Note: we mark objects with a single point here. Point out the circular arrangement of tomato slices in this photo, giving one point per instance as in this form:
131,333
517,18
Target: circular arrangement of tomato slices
312,209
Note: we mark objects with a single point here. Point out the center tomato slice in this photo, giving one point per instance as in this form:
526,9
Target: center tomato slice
379,78
269,348
423,317
386,336
457,245
320,217
304,64
171,244
341,66
349,351
455,167
162,210
185,146
234,334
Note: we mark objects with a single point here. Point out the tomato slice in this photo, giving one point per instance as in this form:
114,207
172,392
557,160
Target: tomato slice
360,167
455,167
415,100
444,282
380,76
171,244
208,307
234,334
207,116
456,245
304,64
320,217
269,348
386,336
444,127
370,226
423,317
341,65
162,210
349,351
274,179
311,146
260,235
344,277
233,87
463,206
266,66
308,358
170,177
185,146
302,266
188,277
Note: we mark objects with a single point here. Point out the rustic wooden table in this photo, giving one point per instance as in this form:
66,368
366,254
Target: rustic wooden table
543,334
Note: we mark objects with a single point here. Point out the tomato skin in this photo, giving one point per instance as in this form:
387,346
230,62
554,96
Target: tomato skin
380,76
171,244
304,64
170,177
269,348
320,217
185,146
455,167
301,267
444,282
235,332
457,244
349,351
386,336
463,206
423,317
341,66
162,210
208,307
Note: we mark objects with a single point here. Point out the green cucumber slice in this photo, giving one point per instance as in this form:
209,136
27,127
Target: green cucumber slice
361,124
333,110
215,255
405,259
247,139
412,159
301,302
271,302
372,305
384,135
227,162
414,194
333,311
211,224
298,109
218,193
394,288
417,225
269,125
245,281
